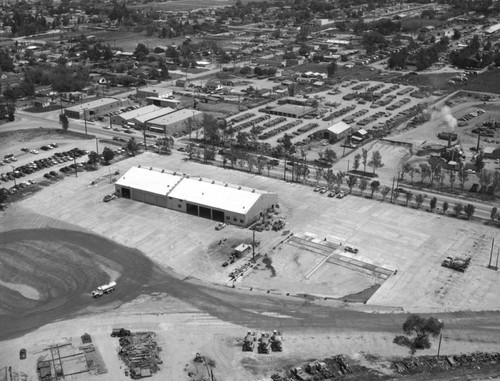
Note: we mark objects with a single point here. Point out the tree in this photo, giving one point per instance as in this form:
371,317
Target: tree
494,213
363,184
318,175
261,163
419,199
409,197
132,147
406,168
93,159
452,177
331,68
357,160
107,154
396,196
351,182
385,191
375,186
250,162
458,208
329,177
63,119
469,210
364,155
424,171
269,166
210,129
479,164
463,176
417,332
433,203
376,161
456,34
445,207
330,155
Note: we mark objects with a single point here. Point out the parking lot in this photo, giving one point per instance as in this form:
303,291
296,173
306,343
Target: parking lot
345,103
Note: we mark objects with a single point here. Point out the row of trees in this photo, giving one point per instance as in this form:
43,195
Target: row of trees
435,172
362,158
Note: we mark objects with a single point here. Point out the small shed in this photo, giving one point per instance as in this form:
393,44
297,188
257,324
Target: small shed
242,249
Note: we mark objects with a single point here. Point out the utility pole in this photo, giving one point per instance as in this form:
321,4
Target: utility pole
392,189
253,245
85,119
491,253
76,168
97,146
439,346
13,170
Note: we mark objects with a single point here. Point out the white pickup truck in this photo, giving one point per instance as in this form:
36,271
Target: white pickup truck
104,289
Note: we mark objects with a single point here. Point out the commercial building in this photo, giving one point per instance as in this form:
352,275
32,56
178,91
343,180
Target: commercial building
94,109
196,196
336,132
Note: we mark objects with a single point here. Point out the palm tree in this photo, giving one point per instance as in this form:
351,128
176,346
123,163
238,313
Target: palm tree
351,182
409,197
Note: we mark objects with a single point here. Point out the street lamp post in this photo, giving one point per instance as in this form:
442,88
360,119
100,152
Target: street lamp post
14,170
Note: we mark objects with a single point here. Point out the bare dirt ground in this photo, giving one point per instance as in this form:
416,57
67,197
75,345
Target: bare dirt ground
414,243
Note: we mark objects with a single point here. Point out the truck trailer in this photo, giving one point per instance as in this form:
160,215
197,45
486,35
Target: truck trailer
104,289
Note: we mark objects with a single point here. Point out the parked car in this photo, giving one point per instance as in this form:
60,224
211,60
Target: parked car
22,354
109,197
351,249
220,226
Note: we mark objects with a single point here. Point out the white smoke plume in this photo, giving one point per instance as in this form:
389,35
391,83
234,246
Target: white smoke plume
449,119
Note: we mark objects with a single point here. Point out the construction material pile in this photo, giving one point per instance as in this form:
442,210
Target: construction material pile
140,353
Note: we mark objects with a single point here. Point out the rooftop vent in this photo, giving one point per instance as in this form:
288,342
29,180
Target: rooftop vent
239,187
213,181
225,184
200,179
150,168
162,171
253,190
139,166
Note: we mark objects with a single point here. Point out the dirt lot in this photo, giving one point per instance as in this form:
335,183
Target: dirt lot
414,243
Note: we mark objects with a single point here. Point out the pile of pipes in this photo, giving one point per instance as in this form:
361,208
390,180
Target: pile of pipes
140,353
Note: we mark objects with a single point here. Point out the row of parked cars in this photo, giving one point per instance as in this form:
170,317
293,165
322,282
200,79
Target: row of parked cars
36,165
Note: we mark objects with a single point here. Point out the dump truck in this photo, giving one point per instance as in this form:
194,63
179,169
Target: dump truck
104,289
277,342
249,342
264,343
457,264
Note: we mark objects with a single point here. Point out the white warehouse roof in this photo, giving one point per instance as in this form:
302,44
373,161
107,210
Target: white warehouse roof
339,127
152,181
216,196
128,115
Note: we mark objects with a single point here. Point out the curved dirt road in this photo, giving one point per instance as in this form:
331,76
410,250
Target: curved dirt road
75,262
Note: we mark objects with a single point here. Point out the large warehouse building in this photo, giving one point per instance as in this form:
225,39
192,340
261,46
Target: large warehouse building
196,196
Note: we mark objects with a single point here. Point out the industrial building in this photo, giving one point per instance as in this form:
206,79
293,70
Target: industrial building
291,111
151,91
174,122
336,132
94,109
136,118
163,102
200,197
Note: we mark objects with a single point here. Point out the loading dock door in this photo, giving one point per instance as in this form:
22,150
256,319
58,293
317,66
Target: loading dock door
150,198
205,212
125,192
138,195
217,215
192,209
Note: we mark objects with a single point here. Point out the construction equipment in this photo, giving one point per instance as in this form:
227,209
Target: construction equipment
277,342
457,264
264,343
278,224
104,289
249,342
299,373
120,332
